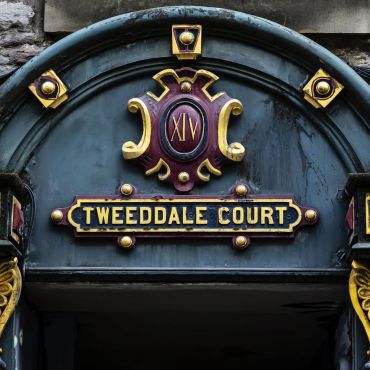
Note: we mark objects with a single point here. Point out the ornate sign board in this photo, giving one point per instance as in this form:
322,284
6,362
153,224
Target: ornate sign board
235,216
184,141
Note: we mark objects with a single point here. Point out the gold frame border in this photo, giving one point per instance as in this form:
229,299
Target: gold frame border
192,230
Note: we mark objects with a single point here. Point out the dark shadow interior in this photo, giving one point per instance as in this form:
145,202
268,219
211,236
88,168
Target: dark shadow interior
227,326
217,340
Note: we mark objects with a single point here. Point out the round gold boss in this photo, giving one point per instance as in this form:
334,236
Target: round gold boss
125,242
310,215
186,87
241,190
186,38
48,87
323,87
184,177
127,189
56,215
241,241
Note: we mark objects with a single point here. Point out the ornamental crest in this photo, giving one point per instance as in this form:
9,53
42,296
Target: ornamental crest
184,137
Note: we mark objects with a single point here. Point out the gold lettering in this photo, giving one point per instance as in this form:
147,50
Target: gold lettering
129,215
115,215
88,211
179,125
193,129
185,220
221,220
173,217
252,220
199,216
266,212
281,211
103,215
238,215
157,220
183,126
148,219
176,129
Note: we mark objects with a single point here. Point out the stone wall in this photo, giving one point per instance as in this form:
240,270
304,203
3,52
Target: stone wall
22,24
21,34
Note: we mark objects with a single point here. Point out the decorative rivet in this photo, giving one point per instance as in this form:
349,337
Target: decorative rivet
310,215
48,87
241,190
56,216
127,189
186,87
323,87
125,242
183,177
186,38
241,241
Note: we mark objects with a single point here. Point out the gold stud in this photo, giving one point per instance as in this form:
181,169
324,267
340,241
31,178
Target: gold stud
186,87
183,177
310,215
56,216
323,87
241,241
186,38
48,87
127,189
241,190
125,242
52,91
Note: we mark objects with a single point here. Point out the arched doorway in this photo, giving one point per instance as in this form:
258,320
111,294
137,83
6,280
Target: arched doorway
176,301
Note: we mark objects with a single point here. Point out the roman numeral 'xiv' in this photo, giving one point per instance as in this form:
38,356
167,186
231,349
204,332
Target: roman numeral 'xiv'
180,127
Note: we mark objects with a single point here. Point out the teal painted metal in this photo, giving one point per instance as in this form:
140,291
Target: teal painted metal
290,146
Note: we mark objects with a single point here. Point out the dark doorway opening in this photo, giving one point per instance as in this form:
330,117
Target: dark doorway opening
231,326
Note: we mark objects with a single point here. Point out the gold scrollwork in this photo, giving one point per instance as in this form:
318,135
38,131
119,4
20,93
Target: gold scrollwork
207,164
171,72
359,290
157,167
234,151
130,150
10,290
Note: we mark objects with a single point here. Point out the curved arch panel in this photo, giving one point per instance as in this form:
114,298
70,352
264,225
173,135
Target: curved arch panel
290,147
